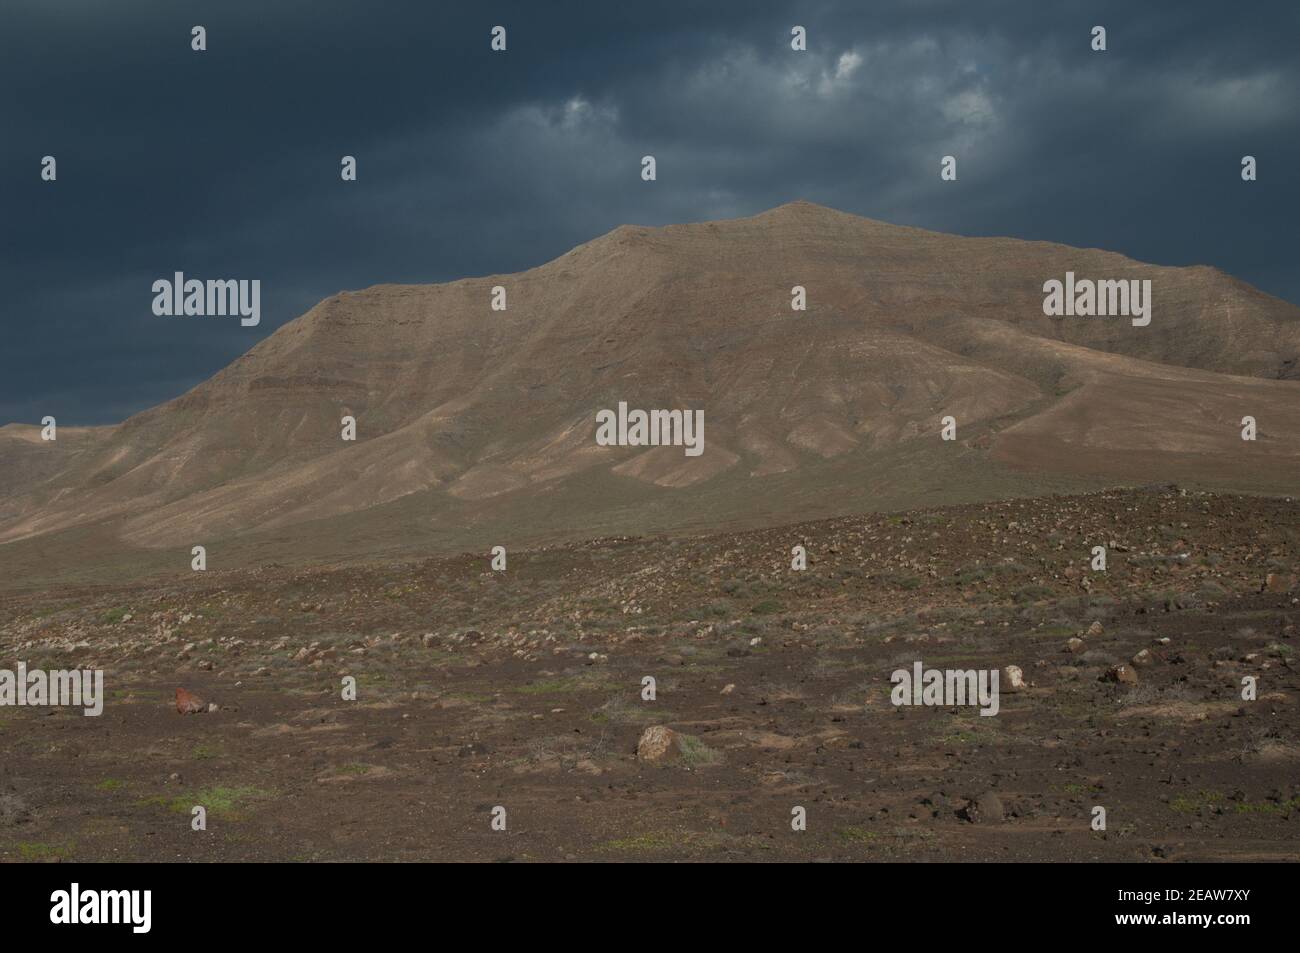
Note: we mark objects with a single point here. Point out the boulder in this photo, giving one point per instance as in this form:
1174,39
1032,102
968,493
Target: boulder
1122,675
658,744
1012,680
1279,582
187,703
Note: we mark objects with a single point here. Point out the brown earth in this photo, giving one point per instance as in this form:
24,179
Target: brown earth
522,689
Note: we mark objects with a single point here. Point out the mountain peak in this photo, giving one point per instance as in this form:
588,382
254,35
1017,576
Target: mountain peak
480,420
801,213
802,205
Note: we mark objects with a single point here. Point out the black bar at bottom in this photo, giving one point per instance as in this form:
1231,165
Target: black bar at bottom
1002,902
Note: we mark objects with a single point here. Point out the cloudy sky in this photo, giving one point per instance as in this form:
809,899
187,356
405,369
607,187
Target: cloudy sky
226,163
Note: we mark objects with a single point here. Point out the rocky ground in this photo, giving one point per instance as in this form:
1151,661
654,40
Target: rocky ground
523,690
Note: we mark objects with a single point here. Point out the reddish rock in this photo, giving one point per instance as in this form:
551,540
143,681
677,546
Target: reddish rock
187,703
1279,582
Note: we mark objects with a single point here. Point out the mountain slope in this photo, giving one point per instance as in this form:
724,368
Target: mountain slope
465,414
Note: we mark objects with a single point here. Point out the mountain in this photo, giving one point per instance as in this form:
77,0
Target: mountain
477,427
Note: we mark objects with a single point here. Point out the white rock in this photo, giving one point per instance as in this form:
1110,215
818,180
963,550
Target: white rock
1013,679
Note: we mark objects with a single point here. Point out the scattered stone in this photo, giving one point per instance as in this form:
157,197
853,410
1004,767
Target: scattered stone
1143,657
1279,582
990,807
987,808
187,703
728,689
1121,674
1095,630
658,743
1013,679
1075,646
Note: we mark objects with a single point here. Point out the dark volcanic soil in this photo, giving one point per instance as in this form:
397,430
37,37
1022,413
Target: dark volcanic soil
522,689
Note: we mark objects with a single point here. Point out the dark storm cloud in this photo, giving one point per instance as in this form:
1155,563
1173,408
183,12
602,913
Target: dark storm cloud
225,163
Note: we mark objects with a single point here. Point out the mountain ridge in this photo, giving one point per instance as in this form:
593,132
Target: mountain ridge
467,406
